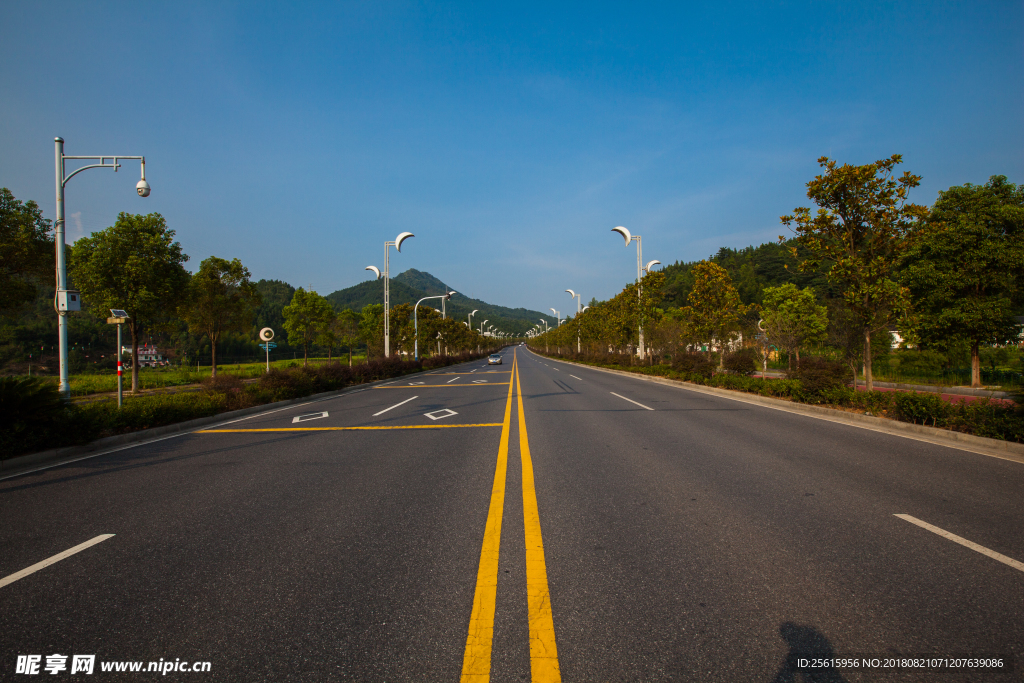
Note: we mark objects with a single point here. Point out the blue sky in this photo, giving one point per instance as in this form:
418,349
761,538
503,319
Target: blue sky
510,139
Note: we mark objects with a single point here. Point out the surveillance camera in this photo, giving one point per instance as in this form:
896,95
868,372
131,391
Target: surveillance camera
142,188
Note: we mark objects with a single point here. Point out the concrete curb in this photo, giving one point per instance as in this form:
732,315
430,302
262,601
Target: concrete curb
1006,450
24,464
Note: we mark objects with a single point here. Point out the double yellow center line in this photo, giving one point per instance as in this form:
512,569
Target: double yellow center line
476,663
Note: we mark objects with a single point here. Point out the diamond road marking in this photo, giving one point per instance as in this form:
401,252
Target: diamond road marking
311,416
440,414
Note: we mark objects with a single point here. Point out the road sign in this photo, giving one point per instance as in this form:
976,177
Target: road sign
271,345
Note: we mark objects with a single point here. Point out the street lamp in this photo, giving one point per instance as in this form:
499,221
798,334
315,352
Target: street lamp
578,302
558,317
470,319
416,321
397,244
639,267
70,301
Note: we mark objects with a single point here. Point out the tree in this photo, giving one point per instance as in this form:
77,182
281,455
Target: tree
792,318
219,298
371,329
135,265
305,317
347,327
967,267
858,236
26,250
715,309
327,335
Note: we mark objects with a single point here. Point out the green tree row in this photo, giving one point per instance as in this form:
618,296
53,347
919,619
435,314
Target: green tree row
864,262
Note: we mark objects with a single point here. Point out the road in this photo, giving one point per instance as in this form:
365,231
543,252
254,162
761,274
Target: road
572,525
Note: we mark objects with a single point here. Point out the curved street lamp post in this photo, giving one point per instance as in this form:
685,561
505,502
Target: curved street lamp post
576,296
416,322
640,268
397,244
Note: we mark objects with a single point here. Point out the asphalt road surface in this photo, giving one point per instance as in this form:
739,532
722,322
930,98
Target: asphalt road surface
530,521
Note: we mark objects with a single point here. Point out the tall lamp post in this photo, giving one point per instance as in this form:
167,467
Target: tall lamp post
631,238
397,244
69,301
578,302
416,321
469,318
640,268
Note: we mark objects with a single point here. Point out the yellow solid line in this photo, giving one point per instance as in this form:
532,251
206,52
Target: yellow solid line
486,372
476,663
341,429
543,653
451,386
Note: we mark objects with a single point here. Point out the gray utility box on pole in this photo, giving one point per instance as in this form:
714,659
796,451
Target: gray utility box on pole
69,300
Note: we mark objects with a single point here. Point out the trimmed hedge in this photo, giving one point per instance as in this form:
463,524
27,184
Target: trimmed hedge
38,419
819,383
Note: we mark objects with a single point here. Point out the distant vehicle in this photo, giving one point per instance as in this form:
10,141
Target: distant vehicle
494,359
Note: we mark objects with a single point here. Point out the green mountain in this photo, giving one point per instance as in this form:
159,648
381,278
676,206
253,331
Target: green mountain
412,285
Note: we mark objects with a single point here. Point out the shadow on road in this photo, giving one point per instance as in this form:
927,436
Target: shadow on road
806,643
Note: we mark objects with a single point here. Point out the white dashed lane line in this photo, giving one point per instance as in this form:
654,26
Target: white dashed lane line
53,560
575,377
964,542
630,400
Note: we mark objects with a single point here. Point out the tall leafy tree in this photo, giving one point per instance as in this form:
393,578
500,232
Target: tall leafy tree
793,319
134,265
219,298
858,237
328,334
305,317
714,312
347,327
371,328
966,269
26,250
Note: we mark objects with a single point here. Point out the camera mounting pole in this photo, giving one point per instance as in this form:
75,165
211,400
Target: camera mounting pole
62,275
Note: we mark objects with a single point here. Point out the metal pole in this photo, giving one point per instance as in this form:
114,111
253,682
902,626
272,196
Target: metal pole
639,296
119,347
268,356
62,275
387,306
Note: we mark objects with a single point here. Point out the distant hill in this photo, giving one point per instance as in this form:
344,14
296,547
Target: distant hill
412,285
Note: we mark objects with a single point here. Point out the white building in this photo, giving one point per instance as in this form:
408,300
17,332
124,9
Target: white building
149,356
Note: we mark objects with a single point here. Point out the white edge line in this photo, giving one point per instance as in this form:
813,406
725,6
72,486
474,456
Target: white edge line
964,542
395,406
630,400
7,580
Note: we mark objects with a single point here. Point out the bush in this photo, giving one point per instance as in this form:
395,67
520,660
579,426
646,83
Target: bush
817,376
35,418
693,364
741,362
